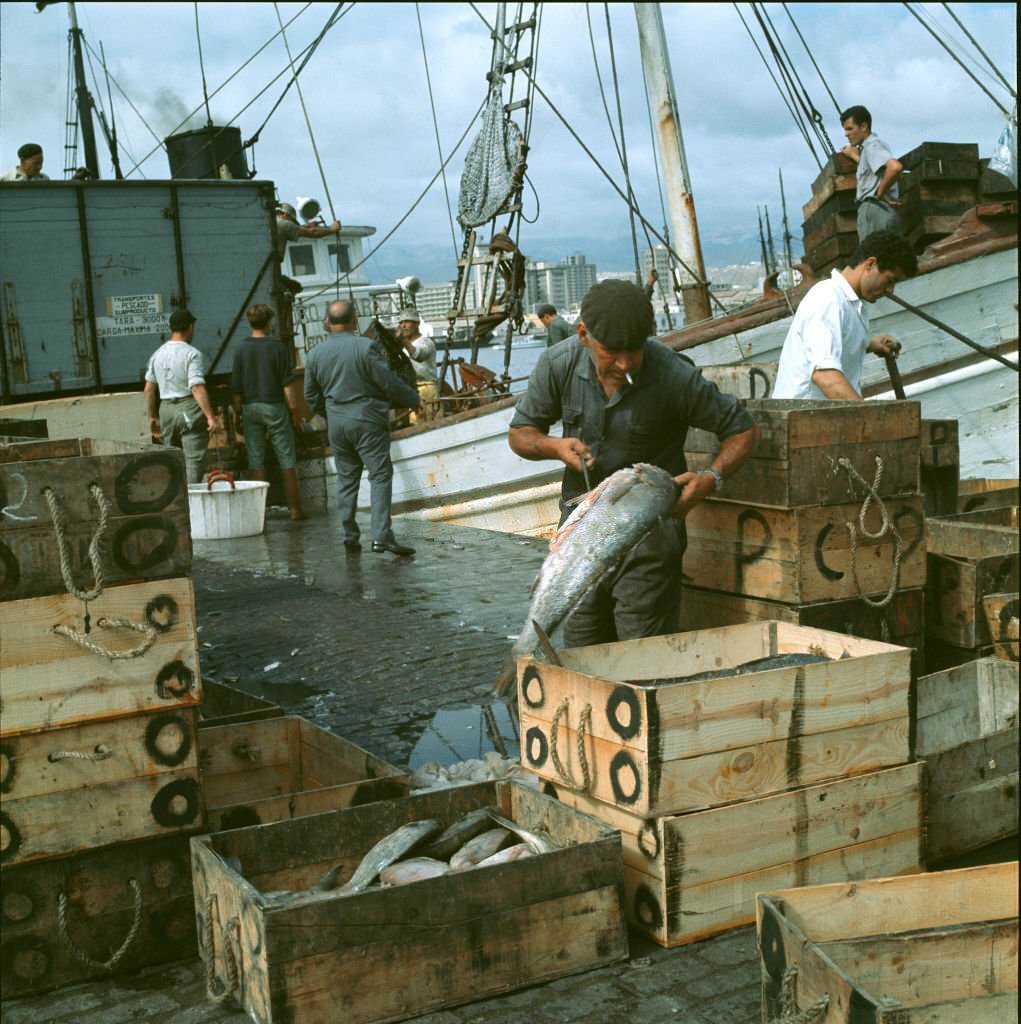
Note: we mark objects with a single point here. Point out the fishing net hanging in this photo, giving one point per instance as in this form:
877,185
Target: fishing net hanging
492,163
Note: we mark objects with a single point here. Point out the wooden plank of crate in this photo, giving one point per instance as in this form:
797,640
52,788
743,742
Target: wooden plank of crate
328,759
100,911
49,681
963,703
985,493
803,555
972,795
55,824
744,380
970,540
227,705
626,778
245,762
28,451
1001,616
706,910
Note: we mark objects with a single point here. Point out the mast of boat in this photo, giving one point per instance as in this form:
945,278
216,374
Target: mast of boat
762,244
82,94
680,202
786,235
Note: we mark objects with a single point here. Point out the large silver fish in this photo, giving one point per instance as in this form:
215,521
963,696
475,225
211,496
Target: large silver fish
607,524
387,851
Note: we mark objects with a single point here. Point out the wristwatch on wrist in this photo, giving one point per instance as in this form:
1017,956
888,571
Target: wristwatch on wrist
717,478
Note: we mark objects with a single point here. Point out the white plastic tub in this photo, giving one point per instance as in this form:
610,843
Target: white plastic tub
224,511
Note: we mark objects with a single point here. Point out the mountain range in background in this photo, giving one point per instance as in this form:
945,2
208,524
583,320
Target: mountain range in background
434,263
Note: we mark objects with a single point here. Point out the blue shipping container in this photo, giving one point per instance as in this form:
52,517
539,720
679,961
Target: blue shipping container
91,271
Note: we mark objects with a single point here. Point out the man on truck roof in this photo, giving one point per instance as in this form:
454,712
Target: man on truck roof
30,165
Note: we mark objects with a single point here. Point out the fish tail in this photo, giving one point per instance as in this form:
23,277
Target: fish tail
507,678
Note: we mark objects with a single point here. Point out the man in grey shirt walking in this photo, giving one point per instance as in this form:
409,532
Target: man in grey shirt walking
877,173
175,382
348,378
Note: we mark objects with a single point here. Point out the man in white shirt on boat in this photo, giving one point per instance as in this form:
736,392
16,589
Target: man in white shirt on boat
876,195
421,351
825,346
30,165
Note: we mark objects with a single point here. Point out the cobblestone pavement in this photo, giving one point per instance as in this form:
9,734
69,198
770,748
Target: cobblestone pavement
371,647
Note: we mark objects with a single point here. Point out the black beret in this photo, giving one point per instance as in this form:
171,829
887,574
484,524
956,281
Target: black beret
30,149
618,314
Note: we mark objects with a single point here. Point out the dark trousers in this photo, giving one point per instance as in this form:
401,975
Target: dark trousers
357,445
642,598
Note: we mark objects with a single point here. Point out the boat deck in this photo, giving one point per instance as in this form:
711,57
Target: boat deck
378,649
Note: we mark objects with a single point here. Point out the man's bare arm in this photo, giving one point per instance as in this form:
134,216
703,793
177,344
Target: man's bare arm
202,397
151,408
891,169
852,153
833,384
695,487
532,444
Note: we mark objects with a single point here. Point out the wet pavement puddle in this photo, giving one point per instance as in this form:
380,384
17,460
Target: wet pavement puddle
460,733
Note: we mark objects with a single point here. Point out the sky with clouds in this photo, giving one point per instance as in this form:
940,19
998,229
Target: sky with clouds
368,102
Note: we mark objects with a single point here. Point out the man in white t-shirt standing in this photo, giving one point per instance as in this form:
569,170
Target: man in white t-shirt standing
421,351
175,383
826,344
877,195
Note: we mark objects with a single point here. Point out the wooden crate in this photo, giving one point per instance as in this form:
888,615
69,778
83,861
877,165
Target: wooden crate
835,250
967,733
921,948
980,493
803,555
795,461
227,705
655,748
947,154
48,681
940,466
940,656
690,876
141,779
100,911
743,380
387,954
281,768
148,534
1001,615
837,202
968,558
901,622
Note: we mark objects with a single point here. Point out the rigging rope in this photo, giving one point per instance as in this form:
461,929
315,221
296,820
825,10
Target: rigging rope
988,60
811,57
436,127
787,103
602,170
202,65
957,60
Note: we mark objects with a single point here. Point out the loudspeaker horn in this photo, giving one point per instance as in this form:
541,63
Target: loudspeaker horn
409,284
308,208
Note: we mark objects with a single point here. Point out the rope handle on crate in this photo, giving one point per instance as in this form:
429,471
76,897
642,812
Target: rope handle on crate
119,954
220,992
887,526
95,555
789,1012
101,753
584,727
82,640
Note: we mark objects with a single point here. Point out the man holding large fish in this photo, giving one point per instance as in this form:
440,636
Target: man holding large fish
626,402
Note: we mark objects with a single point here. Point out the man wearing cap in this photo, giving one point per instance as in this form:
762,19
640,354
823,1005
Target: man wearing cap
422,353
557,328
290,230
625,398
175,382
30,166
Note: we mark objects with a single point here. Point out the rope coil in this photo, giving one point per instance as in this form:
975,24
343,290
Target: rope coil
887,527
584,727
120,953
220,992
789,1012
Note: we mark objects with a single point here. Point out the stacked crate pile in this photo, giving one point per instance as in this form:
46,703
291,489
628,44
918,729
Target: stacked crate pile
731,760
99,679
798,535
831,219
939,184
972,556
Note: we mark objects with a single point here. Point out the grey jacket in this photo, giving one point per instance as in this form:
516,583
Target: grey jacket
347,376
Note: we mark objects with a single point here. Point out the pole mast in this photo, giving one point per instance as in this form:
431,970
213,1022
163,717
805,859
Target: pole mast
84,99
786,235
680,201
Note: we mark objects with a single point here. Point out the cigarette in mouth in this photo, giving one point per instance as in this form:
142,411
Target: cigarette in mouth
627,377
